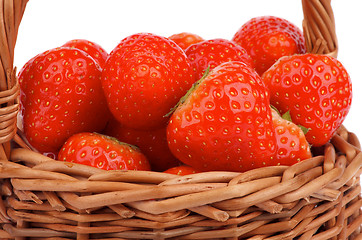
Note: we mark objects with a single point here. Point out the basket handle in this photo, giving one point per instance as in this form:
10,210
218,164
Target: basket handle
318,27
11,13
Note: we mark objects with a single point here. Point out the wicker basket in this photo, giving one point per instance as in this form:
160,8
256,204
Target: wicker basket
319,198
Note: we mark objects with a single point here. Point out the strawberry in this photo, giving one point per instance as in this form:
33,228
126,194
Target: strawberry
185,39
210,53
268,38
182,170
143,78
315,89
24,76
93,49
61,95
152,143
103,152
292,146
224,122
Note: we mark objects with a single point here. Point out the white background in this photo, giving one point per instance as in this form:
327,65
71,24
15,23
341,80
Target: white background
50,23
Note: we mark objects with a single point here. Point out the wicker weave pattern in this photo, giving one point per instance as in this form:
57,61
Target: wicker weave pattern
319,198
75,201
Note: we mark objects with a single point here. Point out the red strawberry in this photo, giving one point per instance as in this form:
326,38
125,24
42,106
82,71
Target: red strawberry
225,122
182,170
144,77
185,39
61,95
292,146
24,76
93,49
211,53
152,143
268,38
315,89
103,152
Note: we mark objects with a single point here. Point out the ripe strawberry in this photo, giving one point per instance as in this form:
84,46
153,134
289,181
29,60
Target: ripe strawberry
292,146
152,143
185,39
268,38
211,53
225,122
182,170
93,49
24,76
143,78
103,152
315,89
61,95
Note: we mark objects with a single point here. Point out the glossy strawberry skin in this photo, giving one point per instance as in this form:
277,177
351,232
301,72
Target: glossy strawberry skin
152,143
267,38
182,170
61,95
292,145
317,91
103,152
143,79
225,122
185,39
213,52
96,51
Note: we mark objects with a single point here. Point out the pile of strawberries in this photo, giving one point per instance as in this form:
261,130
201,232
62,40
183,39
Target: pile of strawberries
182,104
